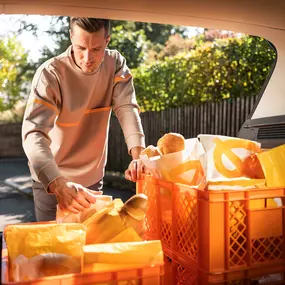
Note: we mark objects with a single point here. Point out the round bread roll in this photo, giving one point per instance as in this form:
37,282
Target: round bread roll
170,143
134,211
137,206
151,151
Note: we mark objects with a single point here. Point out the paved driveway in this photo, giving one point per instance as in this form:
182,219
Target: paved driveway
16,206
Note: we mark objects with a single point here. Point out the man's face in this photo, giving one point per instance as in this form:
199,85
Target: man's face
88,48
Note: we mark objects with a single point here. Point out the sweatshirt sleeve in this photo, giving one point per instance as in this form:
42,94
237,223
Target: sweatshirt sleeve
41,111
125,105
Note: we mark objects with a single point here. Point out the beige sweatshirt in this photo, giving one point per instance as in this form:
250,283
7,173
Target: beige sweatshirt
66,122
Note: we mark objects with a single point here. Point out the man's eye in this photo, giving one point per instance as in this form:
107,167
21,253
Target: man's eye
96,49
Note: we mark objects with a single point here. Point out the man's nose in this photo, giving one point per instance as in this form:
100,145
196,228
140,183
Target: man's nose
87,56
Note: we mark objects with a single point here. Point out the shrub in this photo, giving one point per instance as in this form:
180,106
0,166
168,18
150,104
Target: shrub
225,68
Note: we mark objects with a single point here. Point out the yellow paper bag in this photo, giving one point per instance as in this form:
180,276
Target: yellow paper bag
237,184
37,250
104,225
145,253
114,223
272,162
116,257
127,235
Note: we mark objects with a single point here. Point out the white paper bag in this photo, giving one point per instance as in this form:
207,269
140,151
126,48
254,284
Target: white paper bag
179,167
224,156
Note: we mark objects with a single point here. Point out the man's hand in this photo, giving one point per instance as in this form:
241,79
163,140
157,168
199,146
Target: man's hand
71,196
134,171
136,167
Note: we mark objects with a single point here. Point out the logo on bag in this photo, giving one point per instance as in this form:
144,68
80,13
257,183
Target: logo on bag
224,148
195,165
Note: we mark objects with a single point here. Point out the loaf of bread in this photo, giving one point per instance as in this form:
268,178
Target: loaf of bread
151,151
170,143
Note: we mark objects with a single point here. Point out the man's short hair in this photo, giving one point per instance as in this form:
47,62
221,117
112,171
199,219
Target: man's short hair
91,25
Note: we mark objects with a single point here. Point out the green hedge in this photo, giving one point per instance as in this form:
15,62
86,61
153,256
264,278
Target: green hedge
225,68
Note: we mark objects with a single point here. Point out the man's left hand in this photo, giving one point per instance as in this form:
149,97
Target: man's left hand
134,171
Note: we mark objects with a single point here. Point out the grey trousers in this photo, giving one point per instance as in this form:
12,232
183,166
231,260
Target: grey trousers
45,204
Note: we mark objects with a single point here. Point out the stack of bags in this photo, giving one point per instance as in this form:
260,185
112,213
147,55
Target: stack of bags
105,237
212,162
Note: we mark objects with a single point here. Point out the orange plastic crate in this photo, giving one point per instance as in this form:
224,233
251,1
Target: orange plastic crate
137,276
179,272
217,231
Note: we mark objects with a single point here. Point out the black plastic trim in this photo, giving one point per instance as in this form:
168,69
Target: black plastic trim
261,91
269,131
252,127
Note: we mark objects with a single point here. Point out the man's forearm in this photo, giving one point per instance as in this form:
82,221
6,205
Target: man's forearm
131,125
37,150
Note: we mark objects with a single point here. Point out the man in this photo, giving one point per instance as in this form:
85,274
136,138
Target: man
66,122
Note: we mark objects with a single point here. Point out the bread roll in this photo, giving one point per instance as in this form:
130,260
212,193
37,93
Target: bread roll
133,212
151,151
137,206
47,264
170,143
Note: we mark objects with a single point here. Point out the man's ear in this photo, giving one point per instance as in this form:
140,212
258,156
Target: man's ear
70,35
108,40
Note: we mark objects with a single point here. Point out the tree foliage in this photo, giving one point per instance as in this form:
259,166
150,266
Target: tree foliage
13,72
132,39
225,68
170,70
59,33
131,43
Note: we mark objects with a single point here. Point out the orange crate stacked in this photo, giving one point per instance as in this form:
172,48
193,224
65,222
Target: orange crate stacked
151,275
178,274
216,236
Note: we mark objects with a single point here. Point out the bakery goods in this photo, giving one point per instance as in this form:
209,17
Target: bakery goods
67,217
41,249
46,264
133,212
171,142
151,151
137,206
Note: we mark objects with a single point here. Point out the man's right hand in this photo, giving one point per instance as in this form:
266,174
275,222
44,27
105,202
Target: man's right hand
71,196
